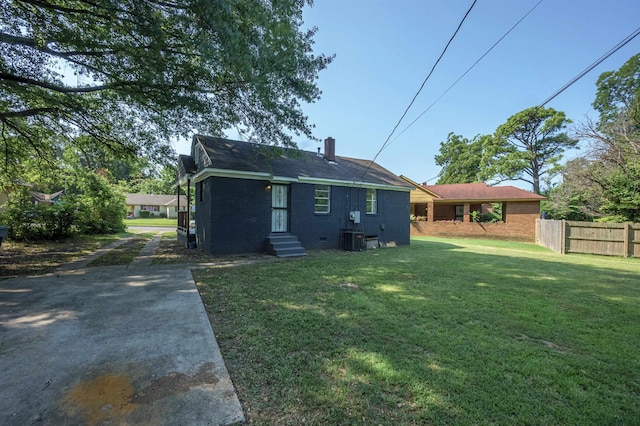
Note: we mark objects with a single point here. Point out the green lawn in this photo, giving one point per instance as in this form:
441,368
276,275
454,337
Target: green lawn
35,258
123,254
171,223
438,332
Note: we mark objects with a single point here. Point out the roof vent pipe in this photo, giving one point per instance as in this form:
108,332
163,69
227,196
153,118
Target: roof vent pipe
319,154
330,149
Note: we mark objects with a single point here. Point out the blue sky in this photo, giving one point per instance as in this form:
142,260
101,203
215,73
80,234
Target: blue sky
385,49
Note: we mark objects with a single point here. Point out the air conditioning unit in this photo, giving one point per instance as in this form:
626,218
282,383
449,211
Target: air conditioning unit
353,240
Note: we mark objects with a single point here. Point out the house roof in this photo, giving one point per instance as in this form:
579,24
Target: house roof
41,197
476,192
186,165
258,161
155,200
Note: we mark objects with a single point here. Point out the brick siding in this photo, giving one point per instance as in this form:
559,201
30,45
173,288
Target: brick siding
520,225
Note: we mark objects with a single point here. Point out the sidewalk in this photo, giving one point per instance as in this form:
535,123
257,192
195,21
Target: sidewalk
111,345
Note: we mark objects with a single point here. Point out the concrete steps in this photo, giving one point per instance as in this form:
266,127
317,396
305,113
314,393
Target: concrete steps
284,245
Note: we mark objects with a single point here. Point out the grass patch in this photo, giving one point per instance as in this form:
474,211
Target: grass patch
123,254
172,252
162,222
439,332
21,259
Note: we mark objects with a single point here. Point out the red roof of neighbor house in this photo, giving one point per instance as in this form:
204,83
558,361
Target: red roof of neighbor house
481,192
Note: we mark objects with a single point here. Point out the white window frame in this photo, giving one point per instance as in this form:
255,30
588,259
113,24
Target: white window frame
372,201
322,208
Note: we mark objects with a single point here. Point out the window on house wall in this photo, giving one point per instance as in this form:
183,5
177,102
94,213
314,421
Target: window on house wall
323,199
459,213
150,208
372,201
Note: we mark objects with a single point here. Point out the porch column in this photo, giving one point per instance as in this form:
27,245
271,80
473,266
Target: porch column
467,213
430,211
188,196
178,191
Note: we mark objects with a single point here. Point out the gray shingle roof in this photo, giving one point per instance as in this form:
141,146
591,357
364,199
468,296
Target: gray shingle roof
233,155
155,200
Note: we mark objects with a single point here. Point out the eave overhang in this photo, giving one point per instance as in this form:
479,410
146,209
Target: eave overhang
237,174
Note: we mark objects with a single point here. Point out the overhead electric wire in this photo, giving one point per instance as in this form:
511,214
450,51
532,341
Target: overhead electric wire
421,87
611,51
614,49
466,72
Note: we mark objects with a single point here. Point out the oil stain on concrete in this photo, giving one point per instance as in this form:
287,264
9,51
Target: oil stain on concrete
104,346
111,398
105,398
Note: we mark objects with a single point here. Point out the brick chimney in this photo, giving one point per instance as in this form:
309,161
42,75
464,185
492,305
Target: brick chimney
330,149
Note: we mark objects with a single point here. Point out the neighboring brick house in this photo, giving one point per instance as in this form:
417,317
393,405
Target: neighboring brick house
447,210
157,205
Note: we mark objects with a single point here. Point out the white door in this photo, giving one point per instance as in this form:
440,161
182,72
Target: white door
279,208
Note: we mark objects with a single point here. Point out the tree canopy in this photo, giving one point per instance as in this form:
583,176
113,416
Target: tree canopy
460,159
618,93
527,146
124,77
610,166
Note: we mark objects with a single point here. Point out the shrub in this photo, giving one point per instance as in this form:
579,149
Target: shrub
35,222
144,214
96,207
101,208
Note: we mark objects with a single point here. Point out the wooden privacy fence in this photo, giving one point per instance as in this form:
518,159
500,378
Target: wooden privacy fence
609,239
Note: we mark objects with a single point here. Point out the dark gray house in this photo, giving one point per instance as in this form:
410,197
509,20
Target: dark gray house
253,198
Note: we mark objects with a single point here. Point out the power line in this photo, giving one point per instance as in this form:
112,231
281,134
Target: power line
466,72
611,51
421,87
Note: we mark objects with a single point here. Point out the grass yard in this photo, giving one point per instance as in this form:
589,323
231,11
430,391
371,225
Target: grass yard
438,332
171,252
123,254
24,258
152,221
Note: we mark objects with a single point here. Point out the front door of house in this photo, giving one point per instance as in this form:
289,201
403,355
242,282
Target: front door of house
279,208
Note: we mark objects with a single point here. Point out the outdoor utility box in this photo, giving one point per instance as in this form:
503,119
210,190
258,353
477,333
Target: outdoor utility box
353,240
372,242
354,216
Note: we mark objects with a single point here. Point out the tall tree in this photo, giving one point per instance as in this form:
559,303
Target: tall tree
577,197
127,75
618,94
163,183
460,158
614,156
527,147
611,165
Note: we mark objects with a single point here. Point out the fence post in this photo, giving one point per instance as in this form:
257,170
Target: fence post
563,243
626,240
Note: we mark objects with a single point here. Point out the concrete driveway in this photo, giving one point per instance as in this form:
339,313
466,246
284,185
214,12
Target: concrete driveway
111,345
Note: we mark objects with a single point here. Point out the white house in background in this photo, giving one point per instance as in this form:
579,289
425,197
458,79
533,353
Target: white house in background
157,205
